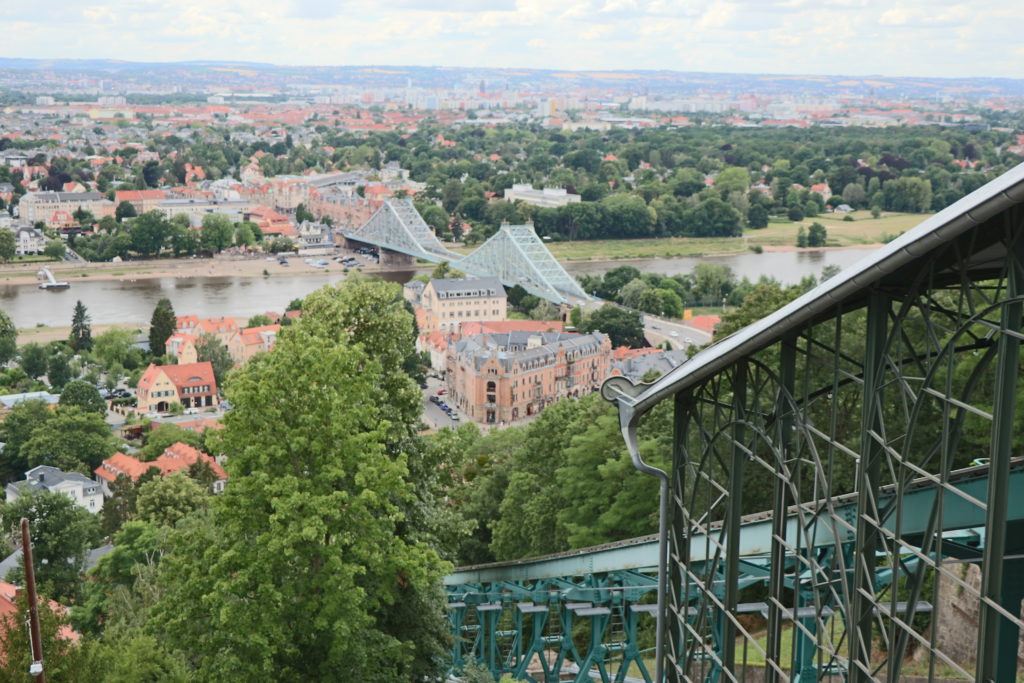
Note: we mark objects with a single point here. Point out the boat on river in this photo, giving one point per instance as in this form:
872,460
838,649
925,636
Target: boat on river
49,281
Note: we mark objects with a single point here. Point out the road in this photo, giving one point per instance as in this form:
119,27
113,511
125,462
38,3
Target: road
433,416
659,330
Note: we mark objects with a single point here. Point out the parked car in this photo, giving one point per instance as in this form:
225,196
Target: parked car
191,411
435,400
442,392
453,416
687,340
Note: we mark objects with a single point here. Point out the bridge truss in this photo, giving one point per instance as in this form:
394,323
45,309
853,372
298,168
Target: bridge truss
845,421
515,254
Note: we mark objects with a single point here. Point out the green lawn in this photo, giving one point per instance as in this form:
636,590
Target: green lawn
862,230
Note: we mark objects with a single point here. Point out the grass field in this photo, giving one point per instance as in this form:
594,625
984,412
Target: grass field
862,230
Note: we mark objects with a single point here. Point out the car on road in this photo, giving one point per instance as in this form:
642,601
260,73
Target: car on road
673,333
688,340
191,411
442,392
283,262
435,400
453,416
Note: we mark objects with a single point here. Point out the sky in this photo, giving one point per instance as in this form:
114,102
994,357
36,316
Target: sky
929,38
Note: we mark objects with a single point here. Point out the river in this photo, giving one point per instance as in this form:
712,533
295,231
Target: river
132,301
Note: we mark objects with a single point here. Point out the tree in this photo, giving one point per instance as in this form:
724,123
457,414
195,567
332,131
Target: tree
244,236
210,349
622,327
81,332
161,326
148,233
796,214
281,244
113,347
165,435
302,214
65,661
816,235
125,210
58,371
83,395
55,249
757,217
17,428
801,237
258,320
73,440
8,338
8,245
732,179
216,232
165,500
62,533
33,359
312,514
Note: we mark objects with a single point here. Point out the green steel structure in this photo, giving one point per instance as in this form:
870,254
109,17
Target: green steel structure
839,470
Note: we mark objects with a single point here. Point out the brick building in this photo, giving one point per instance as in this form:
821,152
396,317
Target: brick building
503,377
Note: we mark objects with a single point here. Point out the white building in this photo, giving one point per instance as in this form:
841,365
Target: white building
82,490
28,241
548,197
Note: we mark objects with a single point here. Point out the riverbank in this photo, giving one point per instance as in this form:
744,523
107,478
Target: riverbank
860,232
221,266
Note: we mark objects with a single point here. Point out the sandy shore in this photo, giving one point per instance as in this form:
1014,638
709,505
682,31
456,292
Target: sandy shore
25,273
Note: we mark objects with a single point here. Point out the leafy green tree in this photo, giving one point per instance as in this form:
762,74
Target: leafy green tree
216,232
165,500
309,518
258,320
113,347
732,179
796,214
62,533
148,233
55,249
83,395
294,305
210,349
125,210
623,328
58,371
17,429
8,338
72,440
801,237
64,661
81,331
8,245
757,217
302,214
244,236
33,358
161,326
816,235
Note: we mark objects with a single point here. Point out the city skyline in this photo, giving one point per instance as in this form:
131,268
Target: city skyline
909,38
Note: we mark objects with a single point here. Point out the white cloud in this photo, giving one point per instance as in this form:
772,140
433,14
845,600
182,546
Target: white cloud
900,37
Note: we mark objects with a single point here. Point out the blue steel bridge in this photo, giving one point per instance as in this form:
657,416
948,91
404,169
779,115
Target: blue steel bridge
845,499
514,254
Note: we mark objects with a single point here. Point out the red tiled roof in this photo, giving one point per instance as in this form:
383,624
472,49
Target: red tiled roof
178,457
471,328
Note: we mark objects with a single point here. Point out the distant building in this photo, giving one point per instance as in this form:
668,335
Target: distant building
178,457
548,197
191,385
142,200
57,209
446,304
501,378
636,364
252,340
8,401
182,346
78,487
28,241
